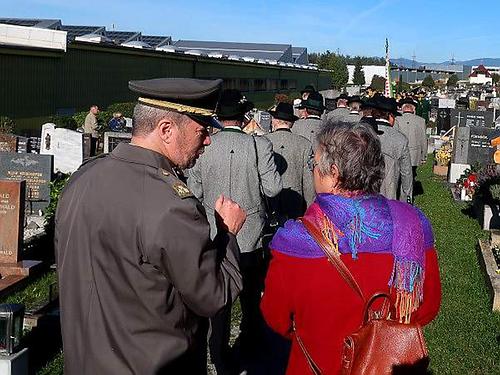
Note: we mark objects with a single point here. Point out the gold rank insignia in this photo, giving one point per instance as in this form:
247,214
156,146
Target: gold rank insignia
182,190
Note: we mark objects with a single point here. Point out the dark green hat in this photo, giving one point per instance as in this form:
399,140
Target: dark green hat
313,101
284,111
233,105
382,103
196,98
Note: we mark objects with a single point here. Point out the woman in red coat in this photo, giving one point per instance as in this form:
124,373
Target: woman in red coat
387,245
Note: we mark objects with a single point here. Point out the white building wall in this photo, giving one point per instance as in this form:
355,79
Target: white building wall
481,79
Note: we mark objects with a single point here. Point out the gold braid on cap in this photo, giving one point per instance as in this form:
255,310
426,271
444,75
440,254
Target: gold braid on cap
182,108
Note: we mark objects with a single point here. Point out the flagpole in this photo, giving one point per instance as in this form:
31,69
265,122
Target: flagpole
388,86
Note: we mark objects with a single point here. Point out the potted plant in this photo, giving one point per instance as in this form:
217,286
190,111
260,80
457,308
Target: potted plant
442,157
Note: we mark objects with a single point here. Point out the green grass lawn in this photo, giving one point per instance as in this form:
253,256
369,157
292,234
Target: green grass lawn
465,337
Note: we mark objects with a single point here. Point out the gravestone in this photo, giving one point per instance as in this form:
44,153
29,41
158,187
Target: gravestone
65,145
8,143
472,145
471,118
87,146
35,169
265,121
12,195
22,145
113,139
446,103
443,119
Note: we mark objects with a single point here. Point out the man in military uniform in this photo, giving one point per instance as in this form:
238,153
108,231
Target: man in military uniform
241,167
292,155
394,147
138,272
413,127
340,113
310,125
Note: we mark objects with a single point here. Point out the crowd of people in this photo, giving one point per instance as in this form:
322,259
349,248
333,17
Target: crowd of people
156,240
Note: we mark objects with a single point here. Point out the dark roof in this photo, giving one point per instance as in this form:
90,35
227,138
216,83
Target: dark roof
33,22
120,37
299,55
74,31
256,50
156,40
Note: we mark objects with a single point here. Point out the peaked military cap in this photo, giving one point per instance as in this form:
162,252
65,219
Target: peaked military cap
313,101
233,105
284,111
196,98
309,89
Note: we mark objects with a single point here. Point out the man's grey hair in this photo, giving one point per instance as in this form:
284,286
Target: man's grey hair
146,118
407,107
355,151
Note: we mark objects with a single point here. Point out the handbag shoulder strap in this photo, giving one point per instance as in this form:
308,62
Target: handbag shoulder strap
332,256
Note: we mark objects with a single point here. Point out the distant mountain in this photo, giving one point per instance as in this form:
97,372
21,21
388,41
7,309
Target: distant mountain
486,61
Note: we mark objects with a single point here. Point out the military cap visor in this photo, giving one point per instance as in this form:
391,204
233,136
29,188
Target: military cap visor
195,98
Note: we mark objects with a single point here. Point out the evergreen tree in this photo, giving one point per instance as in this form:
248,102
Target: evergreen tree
359,75
378,83
340,74
428,82
452,80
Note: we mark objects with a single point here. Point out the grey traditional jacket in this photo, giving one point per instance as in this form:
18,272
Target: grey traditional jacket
292,153
307,127
413,127
137,270
241,167
397,163
338,114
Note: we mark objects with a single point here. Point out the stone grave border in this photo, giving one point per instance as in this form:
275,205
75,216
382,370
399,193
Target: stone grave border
489,267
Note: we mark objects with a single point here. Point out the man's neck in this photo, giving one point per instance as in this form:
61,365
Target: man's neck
281,127
233,124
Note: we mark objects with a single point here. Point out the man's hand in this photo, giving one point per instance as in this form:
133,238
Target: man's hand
229,216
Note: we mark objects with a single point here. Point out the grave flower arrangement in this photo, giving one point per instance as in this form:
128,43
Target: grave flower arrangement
443,154
488,184
466,185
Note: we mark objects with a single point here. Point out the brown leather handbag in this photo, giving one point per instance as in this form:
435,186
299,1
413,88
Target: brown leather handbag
381,345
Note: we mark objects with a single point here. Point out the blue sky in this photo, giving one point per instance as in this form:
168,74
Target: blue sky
434,30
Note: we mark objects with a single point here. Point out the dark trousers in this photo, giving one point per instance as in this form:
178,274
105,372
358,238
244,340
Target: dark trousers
253,271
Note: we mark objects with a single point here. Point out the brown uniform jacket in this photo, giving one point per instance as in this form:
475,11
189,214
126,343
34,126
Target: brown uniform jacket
137,269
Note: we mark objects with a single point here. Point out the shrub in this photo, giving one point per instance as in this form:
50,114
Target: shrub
6,125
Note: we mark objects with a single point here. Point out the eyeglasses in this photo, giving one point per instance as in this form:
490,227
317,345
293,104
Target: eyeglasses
311,163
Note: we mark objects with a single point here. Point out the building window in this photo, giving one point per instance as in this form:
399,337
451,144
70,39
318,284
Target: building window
244,85
259,85
284,84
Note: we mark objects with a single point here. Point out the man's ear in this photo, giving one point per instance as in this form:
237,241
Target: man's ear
165,129
335,175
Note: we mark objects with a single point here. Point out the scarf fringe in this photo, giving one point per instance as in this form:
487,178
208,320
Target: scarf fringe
407,280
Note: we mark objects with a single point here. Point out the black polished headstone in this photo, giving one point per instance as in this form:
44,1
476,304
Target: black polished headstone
443,119
35,169
471,118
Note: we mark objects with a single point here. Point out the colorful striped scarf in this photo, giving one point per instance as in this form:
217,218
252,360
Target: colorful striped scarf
367,224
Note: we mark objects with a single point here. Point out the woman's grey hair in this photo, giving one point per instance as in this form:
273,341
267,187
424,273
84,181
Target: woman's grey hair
146,118
355,151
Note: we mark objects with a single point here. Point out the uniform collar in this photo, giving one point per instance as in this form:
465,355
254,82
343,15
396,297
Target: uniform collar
381,121
282,130
232,128
140,155
354,113
313,117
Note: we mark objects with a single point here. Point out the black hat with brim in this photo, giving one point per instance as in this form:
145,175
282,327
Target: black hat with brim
342,96
284,111
382,103
196,98
354,99
407,101
233,105
372,122
309,89
313,101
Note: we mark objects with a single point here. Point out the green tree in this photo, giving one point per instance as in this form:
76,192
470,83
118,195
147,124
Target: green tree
359,75
452,80
496,78
428,82
378,83
6,125
340,74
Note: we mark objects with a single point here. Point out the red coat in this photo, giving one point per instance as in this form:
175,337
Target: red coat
326,309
